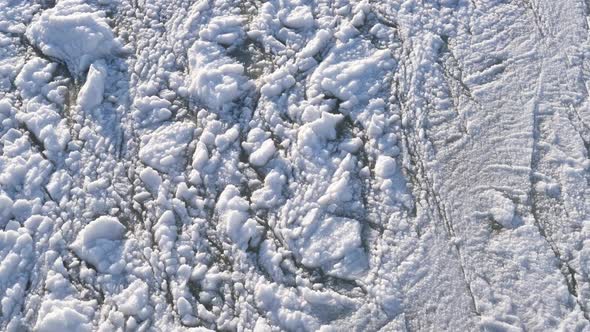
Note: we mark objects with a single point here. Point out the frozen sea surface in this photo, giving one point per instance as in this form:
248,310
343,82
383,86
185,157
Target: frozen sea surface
294,165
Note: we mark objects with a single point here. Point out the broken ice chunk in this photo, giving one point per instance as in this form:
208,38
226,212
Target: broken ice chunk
165,148
225,30
503,214
34,76
315,45
233,210
92,91
152,180
352,72
47,126
62,318
278,81
385,166
269,195
99,241
315,133
299,17
5,209
334,244
59,184
263,154
501,209
216,79
165,232
134,300
73,33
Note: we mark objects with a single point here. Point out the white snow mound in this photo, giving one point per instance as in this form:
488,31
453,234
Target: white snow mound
216,79
99,241
165,148
63,319
73,33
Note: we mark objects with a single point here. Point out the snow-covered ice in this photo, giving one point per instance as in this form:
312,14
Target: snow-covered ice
98,242
165,148
291,165
72,32
216,80
91,93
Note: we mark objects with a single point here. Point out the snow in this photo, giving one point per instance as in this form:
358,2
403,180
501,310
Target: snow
385,166
98,242
152,179
216,80
334,244
263,154
164,149
234,217
63,319
134,300
91,93
293,165
73,33
297,18
6,209
351,80
224,30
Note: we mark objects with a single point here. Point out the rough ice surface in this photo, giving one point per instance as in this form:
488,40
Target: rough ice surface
216,80
72,32
166,148
291,165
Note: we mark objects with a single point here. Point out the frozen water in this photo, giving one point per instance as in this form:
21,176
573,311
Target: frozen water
290,165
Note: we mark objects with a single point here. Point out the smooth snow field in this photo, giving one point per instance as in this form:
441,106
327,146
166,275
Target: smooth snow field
294,165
